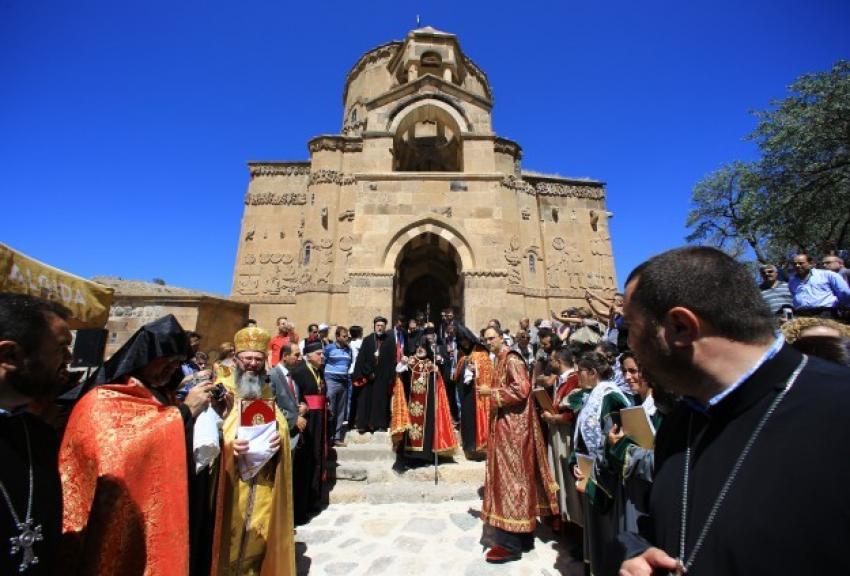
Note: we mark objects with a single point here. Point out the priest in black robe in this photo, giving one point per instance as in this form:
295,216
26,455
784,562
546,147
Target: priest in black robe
309,457
34,340
373,378
757,437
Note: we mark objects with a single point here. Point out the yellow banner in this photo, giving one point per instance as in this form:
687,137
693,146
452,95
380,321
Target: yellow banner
88,302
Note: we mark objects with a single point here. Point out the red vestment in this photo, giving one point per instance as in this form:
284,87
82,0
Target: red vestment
125,484
565,415
411,415
518,486
483,369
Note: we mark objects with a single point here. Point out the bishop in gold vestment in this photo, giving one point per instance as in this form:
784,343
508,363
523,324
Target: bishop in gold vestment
254,524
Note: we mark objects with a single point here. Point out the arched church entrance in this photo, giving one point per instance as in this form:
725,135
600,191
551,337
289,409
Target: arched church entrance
428,276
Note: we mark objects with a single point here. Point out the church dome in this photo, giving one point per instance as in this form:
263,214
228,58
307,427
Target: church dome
424,52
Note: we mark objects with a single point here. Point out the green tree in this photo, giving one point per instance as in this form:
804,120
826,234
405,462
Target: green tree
726,212
797,195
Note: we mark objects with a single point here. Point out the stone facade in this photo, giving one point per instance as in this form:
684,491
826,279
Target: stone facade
416,201
136,303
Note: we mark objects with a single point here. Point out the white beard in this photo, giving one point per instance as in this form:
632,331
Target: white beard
249,386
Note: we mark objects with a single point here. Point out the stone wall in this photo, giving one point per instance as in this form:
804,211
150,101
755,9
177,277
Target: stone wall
215,319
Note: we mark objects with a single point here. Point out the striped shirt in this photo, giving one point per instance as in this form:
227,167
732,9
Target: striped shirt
777,297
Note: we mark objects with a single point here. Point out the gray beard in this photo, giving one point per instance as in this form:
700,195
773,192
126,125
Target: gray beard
249,385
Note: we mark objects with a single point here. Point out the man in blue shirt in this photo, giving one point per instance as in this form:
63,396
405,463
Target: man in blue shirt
338,380
816,292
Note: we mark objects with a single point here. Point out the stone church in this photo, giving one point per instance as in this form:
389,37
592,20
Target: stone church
417,204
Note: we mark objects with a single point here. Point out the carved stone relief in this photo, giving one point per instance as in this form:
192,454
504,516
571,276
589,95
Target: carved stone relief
525,212
277,274
331,143
248,284
141,312
262,170
559,272
346,216
354,128
513,258
501,146
600,246
518,184
326,262
330,177
346,244
553,189
272,198
249,234
569,190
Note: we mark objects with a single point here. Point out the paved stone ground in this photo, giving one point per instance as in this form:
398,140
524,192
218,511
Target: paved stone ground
417,538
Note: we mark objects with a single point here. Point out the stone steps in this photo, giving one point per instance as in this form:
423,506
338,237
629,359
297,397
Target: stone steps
402,491
364,473
381,471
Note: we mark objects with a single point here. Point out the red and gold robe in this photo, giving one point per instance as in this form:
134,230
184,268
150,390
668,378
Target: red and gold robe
410,414
125,484
483,377
518,485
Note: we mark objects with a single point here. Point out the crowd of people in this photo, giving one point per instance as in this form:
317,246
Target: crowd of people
663,429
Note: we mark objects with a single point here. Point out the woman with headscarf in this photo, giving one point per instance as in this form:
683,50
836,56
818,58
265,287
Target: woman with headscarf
125,461
598,401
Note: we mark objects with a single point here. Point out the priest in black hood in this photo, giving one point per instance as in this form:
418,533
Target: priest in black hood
373,378
126,462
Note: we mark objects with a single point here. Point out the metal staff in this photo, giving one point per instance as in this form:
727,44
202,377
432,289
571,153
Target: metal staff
434,395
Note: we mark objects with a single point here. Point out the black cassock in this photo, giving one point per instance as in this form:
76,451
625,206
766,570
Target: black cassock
372,400
788,511
47,490
308,458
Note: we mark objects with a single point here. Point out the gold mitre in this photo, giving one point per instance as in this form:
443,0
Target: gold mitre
252,338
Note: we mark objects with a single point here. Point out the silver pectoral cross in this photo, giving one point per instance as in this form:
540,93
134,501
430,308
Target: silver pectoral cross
24,542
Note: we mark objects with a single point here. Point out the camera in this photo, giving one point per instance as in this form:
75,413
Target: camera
218,392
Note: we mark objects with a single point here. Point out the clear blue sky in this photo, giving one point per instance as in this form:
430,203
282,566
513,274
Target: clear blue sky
125,126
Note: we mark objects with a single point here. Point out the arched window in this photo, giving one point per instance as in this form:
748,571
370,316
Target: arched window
308,250
430,60
428,140
532,262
